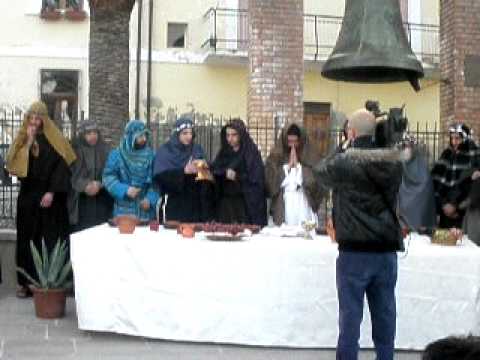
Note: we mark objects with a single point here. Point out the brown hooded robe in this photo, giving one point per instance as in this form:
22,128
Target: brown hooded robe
274,174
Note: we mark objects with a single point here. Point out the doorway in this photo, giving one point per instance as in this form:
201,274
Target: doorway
316,120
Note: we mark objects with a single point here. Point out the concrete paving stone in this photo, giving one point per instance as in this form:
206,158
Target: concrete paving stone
24,337
24,331
34,348
111,345
252,353
185,349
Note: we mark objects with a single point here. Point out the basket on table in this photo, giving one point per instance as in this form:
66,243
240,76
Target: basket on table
446,237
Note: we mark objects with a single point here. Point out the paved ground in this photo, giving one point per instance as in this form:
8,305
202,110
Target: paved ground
23,336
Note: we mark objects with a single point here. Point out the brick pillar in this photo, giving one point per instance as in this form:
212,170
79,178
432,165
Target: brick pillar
276,62
459,62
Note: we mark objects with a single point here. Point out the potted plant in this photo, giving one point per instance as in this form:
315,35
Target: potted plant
50,10
53,272
74,11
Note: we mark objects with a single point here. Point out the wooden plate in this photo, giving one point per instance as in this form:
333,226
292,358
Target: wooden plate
171,224
224,237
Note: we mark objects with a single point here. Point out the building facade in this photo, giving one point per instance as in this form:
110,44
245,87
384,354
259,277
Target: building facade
200,60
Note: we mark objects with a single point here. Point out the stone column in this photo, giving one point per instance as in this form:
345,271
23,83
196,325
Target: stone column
460,62
276,62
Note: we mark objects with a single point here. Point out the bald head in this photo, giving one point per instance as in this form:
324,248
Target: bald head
362,122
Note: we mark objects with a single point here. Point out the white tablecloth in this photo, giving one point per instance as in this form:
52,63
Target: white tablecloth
262,291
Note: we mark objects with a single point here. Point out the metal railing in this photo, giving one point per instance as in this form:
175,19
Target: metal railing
11,119
207,131
228,31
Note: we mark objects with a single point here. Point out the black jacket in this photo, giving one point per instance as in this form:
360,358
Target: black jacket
365,181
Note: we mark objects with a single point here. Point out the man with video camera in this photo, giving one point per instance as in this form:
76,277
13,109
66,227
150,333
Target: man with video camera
366,180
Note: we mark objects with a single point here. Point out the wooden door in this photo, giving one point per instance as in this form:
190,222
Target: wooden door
316,120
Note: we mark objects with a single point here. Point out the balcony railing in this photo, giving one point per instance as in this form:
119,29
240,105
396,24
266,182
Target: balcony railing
227,31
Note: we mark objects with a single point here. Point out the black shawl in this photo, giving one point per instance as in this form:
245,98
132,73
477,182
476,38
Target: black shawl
416,198
248,162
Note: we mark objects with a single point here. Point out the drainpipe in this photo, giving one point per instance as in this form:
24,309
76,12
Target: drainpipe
139,55
149,73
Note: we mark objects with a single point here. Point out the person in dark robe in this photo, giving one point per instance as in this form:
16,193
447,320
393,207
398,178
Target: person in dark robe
4,180
416,200
471,221
4,176
89,203
239,178
40,157
289,178
187,198
127,175
452,176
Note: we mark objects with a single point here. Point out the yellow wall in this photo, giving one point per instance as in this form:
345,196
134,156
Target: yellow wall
210,89
182,11
422,107
223,91
430,12
316,7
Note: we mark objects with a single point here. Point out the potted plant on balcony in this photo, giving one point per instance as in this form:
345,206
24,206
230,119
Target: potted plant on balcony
53,272
74,11
50,10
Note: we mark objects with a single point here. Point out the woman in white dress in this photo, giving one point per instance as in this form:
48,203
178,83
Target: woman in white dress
295,196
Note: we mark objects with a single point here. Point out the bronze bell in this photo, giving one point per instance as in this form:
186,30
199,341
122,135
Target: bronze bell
372,46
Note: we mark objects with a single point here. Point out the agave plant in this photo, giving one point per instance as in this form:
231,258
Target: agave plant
52,269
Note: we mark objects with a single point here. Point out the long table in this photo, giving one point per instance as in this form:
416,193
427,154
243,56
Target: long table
265,290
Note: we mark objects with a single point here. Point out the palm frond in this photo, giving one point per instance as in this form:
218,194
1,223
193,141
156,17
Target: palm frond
37,261
29,278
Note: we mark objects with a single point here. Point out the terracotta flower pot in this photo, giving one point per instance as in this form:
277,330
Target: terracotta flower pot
76,15
126,224
49,303
50,15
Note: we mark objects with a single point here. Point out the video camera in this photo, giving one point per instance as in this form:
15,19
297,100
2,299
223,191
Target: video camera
391,125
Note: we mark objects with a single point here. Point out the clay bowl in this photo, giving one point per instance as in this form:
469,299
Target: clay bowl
187,230
126,224
154,225
171,224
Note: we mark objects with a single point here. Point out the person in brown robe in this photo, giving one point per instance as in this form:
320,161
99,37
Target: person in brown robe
285,152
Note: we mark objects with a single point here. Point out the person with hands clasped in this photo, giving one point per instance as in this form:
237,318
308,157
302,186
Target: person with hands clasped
289,178
89,204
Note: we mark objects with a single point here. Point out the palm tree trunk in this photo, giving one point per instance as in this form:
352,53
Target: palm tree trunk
109,60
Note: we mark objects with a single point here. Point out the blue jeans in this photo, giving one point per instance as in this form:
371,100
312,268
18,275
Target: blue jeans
373,274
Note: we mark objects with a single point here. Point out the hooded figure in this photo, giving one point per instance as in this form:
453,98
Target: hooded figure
89,203
451,176
4,177
186,199
289,178
240,177
128,174
40,156
471,222
416,199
